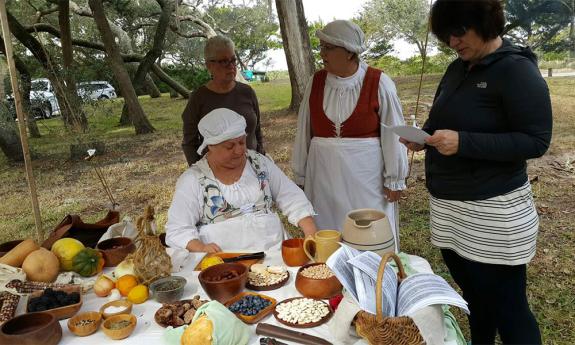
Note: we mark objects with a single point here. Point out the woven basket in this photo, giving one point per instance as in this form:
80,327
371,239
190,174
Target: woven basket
380,330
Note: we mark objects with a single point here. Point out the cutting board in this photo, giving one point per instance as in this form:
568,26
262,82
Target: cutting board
224,255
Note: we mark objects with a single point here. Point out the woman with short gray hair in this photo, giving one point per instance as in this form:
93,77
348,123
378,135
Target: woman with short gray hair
222,91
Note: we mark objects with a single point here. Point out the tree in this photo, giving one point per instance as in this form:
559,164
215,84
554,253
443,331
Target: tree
73,100
297,47
137,115
154,53
71,118
385,20
538,22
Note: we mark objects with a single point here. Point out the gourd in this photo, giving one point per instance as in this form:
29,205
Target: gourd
15,257
41,265
88,262
65,249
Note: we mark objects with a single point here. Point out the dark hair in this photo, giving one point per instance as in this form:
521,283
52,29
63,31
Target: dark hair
484,16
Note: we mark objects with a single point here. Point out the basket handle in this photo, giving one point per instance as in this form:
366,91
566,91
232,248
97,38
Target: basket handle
379,282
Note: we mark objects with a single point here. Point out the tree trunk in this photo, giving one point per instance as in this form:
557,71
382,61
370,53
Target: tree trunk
79,119
10,143
137,115
297,47
25,87
36,48
151,88
163,76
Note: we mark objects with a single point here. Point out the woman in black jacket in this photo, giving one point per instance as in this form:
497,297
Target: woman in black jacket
491,113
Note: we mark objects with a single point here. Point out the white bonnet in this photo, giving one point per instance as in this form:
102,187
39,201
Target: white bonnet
343,33
220,125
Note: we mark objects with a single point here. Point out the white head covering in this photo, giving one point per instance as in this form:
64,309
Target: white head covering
220,125
343,33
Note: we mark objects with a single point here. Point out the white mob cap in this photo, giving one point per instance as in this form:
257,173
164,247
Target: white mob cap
220,125
343,33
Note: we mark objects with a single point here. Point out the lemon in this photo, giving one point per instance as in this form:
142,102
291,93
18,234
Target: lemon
211,261
138,294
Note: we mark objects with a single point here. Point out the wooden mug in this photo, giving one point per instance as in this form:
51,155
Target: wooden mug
325,243
293,253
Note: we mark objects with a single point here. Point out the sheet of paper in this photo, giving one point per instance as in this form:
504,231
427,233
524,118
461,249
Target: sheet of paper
410,133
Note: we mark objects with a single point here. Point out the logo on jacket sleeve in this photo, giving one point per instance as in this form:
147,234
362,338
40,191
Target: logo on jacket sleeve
482,85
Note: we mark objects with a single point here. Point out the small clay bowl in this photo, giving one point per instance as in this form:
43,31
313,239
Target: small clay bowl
31,329
8,246
163,294
224,281
115,250
85,323
317,288
127,305
121,333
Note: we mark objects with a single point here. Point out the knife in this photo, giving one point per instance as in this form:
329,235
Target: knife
287,334
252,256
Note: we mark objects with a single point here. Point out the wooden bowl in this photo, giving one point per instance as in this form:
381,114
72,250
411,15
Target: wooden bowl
115,250
251,319
303,325
31,329
62,312
317,288
219,287
127,305
8,246
163,295
117,334
76,326
293,253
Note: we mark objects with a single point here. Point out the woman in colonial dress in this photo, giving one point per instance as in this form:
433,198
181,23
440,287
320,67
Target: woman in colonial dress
224,201
344,155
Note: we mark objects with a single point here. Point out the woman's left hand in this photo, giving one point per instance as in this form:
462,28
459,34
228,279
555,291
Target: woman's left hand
391,195
445,141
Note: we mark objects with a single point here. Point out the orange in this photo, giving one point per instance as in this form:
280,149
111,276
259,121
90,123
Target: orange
138,294
126,283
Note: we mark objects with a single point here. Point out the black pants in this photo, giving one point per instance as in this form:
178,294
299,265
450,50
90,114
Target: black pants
497,300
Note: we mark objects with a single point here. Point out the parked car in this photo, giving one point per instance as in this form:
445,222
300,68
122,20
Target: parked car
96,90
42,99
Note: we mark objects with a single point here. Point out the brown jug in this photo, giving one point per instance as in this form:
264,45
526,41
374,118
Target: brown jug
368,229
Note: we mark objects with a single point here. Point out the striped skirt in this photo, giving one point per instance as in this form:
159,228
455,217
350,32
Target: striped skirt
500,230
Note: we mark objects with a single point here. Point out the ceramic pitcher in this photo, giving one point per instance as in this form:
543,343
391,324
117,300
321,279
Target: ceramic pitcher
368,229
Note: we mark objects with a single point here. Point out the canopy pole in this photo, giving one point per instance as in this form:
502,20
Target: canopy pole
21,120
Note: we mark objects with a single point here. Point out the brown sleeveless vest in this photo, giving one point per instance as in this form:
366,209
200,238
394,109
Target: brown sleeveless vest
362,123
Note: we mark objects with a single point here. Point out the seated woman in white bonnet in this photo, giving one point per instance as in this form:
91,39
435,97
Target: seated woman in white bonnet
224,201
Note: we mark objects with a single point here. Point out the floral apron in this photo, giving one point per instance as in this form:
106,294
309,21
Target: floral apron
253,227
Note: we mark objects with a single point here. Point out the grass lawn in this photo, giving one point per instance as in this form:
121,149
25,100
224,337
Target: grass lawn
143,170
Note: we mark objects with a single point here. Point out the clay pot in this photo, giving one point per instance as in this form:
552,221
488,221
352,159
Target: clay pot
218,282
115,250
31,329
317,288
368,229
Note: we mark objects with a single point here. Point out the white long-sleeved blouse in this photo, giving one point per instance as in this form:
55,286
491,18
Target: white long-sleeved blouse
339,101
187,204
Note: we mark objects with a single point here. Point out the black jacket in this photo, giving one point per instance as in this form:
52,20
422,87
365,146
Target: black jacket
502,111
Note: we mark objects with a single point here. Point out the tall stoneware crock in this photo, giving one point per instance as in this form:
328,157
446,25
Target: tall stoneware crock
368,229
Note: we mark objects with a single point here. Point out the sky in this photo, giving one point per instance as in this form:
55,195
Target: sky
326,11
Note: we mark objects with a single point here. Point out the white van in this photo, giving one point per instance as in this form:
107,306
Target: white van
43,99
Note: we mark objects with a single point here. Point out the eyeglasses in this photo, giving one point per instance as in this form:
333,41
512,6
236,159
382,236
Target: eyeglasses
327,47
225,62
455,32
